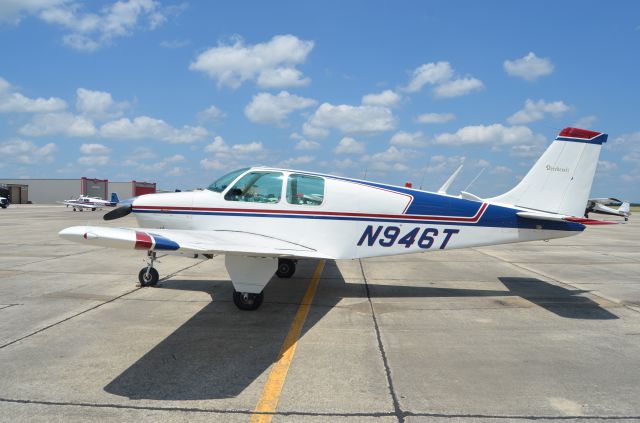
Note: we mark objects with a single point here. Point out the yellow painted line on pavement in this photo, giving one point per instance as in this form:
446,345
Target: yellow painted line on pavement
273,387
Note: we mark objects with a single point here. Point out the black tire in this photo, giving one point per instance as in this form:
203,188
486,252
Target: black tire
247,301
286,268
3,206
148,280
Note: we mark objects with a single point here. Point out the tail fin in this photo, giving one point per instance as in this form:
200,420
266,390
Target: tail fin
114,198
624,207
561,179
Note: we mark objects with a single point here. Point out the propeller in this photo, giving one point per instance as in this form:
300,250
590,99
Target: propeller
118,212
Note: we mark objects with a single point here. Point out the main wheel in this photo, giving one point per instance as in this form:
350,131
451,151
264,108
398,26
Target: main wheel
286,268
247,301
148,279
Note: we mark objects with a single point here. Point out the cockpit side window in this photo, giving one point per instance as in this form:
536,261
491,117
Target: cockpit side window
305,190
223,182
257,187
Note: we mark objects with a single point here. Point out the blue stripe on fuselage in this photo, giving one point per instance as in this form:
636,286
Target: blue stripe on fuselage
493,217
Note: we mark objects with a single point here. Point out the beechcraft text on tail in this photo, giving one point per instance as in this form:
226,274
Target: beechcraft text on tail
264,219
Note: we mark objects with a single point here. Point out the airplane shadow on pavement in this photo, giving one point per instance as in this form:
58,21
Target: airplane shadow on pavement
221,350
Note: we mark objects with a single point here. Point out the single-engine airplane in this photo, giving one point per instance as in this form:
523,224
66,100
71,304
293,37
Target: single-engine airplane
263,219
84,202
601,206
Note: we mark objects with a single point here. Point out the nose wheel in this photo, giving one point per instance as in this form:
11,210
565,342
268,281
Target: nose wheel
148,275
247,301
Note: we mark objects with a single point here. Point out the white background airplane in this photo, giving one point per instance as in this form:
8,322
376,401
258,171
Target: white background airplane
263,219
600,206
84,202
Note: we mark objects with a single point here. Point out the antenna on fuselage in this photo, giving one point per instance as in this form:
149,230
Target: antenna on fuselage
365,173
474,179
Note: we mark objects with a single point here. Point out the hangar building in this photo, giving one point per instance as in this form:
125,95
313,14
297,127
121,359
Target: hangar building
48,191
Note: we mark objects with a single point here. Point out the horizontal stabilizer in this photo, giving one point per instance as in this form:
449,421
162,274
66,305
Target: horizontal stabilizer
561,218
542,216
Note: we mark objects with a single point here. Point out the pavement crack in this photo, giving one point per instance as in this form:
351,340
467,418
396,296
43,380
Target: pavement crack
89,309
329,414
397,411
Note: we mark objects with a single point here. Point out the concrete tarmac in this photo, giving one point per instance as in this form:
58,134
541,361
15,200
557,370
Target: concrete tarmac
544,331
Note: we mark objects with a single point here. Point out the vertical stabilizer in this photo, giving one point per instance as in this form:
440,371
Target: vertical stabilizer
560,181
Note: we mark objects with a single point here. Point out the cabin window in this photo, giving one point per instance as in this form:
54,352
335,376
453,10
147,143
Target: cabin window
221,183
257,187
305,190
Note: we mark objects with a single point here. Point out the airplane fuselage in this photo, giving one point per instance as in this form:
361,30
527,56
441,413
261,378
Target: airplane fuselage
355,219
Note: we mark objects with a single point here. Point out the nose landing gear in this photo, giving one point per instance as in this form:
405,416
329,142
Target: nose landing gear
247,301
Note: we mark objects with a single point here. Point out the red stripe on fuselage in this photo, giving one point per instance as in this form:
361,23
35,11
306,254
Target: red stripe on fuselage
474,218
143,241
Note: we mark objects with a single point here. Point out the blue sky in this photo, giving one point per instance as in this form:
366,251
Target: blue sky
180,93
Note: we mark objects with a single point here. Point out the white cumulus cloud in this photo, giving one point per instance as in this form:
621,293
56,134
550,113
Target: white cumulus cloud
212,164
145,127
442,77
59,123
15,102
26,152
98,104
249,148
386,98
429,74
217,146
305,144
495,135
89,149
90,31
458,87
271,63
211,114
93,160
529,67
274,109
408,139
349,119
536,110
348,145
435,117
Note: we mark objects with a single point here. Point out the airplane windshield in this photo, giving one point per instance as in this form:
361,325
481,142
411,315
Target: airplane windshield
223,182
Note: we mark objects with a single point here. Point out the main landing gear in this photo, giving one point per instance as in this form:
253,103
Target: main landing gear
286,268
249,273
148,275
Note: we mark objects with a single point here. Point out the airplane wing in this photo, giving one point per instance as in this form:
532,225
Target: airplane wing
87,206
190,241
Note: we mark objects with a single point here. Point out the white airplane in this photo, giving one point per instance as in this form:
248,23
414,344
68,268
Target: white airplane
263,219
600,206
84,202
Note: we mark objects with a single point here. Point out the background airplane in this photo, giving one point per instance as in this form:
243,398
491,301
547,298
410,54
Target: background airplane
263,219
90,203
600,206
